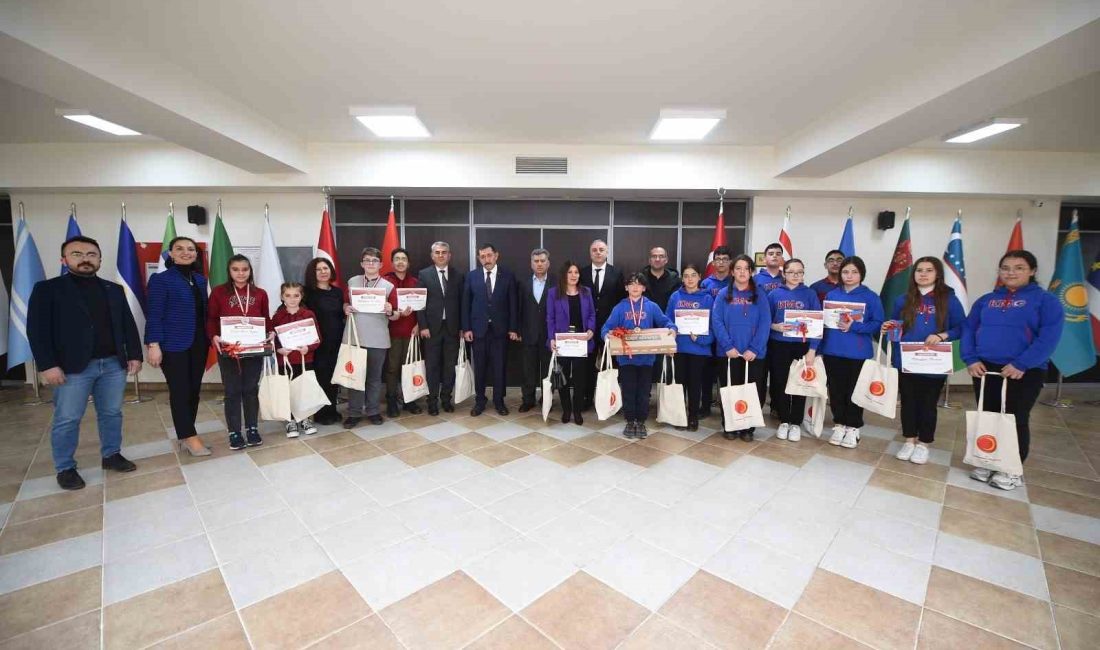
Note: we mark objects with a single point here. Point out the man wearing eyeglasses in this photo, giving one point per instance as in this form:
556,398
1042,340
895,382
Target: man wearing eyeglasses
84,338
832,280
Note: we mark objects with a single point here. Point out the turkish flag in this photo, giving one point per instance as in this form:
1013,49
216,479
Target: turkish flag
718,240
326,248
389,242
1015,243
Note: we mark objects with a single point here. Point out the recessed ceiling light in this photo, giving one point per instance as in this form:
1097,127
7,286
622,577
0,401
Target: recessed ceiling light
391,121
985,129
685,124
87,119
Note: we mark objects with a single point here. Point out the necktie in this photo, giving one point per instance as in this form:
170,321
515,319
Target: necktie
489,284
443,288
597,282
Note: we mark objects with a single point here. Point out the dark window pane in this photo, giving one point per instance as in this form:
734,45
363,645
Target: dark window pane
1088,218
364,211
441,211
551,213
350,242
419,240
513,244
646,213
704,213
571,244
632,246
696,242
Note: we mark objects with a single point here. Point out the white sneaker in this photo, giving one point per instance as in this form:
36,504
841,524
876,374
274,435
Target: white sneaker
794,434
1006,481
920,455
906,451
981,474
292,429
307,427
782,431
838,434
851,438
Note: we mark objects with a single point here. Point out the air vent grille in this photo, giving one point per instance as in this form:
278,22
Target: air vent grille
541,165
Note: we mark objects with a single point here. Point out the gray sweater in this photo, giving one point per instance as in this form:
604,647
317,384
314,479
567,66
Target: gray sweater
373,329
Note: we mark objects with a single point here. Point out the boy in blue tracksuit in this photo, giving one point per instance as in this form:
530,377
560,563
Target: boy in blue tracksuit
1012,330
693,352
713,284
928,313
845,349
770,277
783,351
740,321
636,371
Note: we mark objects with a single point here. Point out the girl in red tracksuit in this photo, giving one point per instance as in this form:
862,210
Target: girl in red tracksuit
291,310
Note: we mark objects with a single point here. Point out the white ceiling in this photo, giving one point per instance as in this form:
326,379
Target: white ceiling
497,71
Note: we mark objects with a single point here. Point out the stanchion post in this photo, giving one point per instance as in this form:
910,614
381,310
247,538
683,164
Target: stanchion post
37,400
138,398
946,404
1058,402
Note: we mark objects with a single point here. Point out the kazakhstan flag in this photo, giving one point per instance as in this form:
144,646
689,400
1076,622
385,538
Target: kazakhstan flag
1076,351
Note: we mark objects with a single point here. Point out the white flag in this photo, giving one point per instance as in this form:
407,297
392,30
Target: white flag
269,274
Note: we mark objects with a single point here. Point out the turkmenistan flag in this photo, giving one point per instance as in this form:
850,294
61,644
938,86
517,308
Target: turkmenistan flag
901,267
221,249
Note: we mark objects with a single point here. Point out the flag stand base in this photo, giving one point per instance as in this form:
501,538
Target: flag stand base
947,403
37,400
1058,402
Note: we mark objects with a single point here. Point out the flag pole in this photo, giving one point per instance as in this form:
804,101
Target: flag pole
1058,402
947,404
138,398
37,400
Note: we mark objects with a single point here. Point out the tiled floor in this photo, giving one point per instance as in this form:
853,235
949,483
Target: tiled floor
488,532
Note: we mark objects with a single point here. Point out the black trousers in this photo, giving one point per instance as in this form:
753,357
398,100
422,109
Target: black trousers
781,356
635,381
716,366
692,371
575,370
324,364
440,357
536,363
843,374
737,377
490,363
183,373
1021,396
241,384
919,397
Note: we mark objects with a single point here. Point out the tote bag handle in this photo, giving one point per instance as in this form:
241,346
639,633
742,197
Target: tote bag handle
1004,391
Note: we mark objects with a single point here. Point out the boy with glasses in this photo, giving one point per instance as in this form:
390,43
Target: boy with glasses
832,280
374,336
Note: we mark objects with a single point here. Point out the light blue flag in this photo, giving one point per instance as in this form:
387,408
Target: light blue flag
1076,351
28,272
72,231
847,240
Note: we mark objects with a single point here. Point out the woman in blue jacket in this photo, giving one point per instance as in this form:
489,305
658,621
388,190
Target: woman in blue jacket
1013,330
693,351
635,371
740,321
569,308
783,351
845,348
175,333
928,313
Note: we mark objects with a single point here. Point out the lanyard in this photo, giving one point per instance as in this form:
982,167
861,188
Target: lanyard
247,298
636,316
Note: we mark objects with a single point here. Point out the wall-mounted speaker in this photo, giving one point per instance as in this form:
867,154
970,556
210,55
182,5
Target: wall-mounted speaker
885,220
196,214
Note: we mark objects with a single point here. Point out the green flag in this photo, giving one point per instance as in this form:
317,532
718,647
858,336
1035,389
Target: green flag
901,267
169,235
221,249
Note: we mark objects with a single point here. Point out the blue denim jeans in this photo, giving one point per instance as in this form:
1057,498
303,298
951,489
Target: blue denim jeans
103,379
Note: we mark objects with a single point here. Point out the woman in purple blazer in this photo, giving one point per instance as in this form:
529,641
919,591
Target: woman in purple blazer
569,308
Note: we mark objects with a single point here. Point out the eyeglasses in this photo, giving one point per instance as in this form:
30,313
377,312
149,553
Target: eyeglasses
77,255
721,258
794,273
834,259
372,261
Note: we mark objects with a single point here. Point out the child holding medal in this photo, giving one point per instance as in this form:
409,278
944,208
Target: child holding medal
290,311
634,313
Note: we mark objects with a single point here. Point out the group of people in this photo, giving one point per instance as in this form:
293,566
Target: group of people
84,337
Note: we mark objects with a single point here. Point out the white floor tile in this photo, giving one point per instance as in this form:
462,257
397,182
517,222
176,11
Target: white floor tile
804,539
572,490
764,570
487,487
377,431
148,532
685,537
452,470
743,487
578,537
892,533
503,431
298,470
532,470
394,488
685,470
47,485
138,573
442,431
567,432
921,512
882,433
385,577
657,487
278,529
470,536
527,510
319,514
1002,567
519,572
262,575
1067,524
147,449
961,478
898,575
5,508
427,510
42,563
143,506
761,468
624,510
317,486
807,508
643,573
367,533
717,508
238,508
373,469
605,469
214,480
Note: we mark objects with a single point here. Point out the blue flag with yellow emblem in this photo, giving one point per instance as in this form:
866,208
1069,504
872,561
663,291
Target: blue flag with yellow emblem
1076,351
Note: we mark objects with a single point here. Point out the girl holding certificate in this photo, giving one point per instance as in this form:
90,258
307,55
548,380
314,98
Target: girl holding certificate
289,312
846,347
928,313
1012,330
693,351
240,374
783,351
570,309
740,322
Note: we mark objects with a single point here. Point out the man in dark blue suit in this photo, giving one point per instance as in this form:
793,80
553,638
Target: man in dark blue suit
489,319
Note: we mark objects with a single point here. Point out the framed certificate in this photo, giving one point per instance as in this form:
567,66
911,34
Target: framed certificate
692,321
918,358
572,344
368,300
414,297
302,333
648,341
812,320
836,311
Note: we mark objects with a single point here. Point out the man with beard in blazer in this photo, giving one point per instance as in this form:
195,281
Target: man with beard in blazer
532,309
439,325
606,284
490,318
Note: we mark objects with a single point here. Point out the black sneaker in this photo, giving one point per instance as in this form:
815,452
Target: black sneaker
236,441
630,429
747,436
351,421
448,406
640,431
412,408
69,479
252,437
118,463
392,409
375,419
